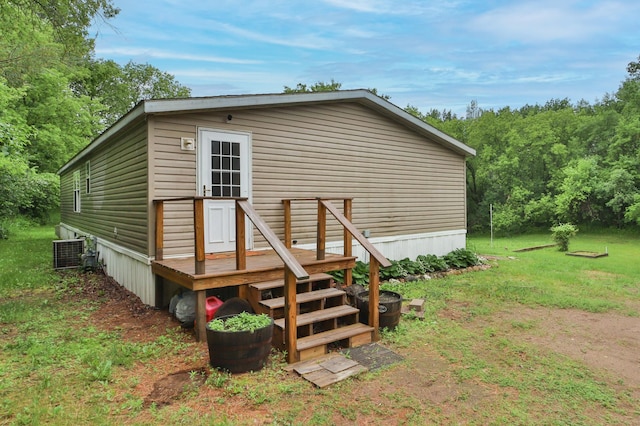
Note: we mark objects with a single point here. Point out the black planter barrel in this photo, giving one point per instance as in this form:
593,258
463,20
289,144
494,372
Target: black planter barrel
389,308
239,351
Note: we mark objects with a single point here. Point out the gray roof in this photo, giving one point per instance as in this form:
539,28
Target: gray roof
361,96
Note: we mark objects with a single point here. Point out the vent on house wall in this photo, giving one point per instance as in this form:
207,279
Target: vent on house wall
67,253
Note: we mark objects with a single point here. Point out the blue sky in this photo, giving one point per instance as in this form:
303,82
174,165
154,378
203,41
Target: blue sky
428,54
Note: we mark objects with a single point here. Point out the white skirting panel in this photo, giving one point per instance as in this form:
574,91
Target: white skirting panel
130,269
129,272
401,246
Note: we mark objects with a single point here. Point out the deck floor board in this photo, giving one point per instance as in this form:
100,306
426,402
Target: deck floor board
221,271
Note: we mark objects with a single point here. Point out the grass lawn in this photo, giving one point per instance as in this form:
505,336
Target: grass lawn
494,348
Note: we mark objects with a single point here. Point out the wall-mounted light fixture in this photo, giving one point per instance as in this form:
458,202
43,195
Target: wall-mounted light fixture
229,118
187,144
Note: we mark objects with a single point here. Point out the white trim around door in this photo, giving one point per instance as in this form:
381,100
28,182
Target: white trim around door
224,170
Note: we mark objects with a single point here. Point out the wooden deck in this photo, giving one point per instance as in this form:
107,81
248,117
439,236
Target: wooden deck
301,272
220,271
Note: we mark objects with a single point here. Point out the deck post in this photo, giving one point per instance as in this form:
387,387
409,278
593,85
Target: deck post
321,237
159,229
198,231
241,248
241,241
290,312
348,249
374,297
287,223
201,315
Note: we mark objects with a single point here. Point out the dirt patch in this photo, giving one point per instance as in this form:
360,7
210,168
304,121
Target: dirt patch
173,386
608,342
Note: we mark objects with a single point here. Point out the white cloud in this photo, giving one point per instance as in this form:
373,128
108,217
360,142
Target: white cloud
545,21
302,40
386,7
162,54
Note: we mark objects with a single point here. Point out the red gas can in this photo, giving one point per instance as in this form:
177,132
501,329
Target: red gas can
213,303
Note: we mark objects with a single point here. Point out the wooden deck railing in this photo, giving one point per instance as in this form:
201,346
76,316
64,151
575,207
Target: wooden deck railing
376,258
293,271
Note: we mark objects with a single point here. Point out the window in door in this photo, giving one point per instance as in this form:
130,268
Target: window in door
225,169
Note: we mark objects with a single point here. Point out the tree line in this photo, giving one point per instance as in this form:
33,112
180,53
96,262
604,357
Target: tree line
55,96
542,165
536,166
560,162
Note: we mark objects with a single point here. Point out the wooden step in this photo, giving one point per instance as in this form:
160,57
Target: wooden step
268,285
316,344
311,296
321,315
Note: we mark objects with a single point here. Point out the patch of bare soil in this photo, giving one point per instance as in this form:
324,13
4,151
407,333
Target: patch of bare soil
607,342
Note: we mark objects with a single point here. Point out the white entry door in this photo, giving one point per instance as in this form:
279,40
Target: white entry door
223,172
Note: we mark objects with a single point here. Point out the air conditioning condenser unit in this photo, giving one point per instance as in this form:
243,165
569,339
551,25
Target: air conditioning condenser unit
68,253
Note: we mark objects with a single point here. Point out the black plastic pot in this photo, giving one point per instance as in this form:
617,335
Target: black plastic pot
389,308
239,351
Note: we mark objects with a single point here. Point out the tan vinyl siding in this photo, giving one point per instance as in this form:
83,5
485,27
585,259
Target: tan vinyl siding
118,197
401,182
173,173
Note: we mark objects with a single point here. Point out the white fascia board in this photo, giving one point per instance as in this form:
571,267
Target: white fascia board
247,101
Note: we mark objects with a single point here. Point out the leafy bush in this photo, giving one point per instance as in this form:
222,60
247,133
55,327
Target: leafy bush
13,185
396,270
360,273
43,196
562,233
25,192
460,258
432,263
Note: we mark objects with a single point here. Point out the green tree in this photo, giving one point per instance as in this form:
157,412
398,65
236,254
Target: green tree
38,35
118,89
577,201
62,122
320,86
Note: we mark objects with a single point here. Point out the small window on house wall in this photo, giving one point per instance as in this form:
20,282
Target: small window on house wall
87,170
76,191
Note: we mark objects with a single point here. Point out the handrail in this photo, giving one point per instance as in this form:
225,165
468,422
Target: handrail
349,226
246,207
293,271
277,245
375,261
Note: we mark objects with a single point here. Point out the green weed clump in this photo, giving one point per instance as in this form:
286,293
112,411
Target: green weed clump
244,321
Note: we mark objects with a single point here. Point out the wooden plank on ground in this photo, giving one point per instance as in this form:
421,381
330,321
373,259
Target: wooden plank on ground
302,365
338,364
323,378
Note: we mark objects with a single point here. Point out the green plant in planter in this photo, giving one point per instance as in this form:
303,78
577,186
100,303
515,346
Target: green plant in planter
244,321
562,233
